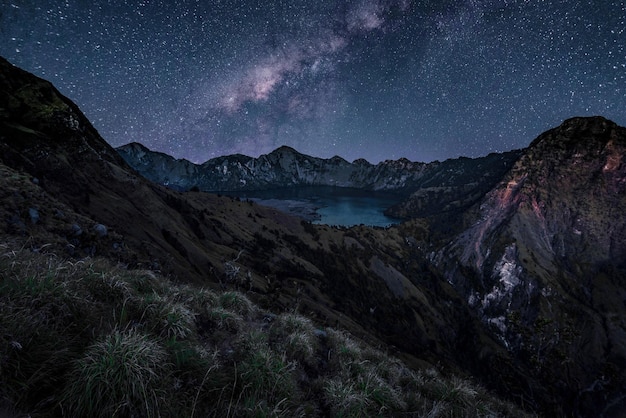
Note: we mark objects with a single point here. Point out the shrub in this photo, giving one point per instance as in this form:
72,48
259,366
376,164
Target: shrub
294,335
123,374
238,303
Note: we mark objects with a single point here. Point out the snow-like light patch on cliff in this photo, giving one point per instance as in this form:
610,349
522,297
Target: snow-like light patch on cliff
499,322
473,299
508,272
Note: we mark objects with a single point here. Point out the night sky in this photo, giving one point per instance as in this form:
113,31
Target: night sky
379,79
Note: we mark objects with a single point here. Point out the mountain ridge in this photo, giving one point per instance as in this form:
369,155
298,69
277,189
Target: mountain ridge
285,167
427,189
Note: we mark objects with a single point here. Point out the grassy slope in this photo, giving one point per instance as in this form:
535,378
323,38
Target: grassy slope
87,338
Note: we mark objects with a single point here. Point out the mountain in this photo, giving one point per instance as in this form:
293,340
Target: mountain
285,167
522,289
542,261
440,190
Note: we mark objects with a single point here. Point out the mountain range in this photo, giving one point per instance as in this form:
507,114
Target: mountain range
509,269
439,186
286,167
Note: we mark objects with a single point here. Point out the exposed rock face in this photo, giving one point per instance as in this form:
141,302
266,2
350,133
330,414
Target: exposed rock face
285,167
569,185
159,167
543,261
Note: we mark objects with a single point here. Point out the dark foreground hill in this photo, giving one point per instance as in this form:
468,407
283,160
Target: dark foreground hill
536,324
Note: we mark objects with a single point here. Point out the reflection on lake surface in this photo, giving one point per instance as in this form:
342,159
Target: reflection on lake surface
329,205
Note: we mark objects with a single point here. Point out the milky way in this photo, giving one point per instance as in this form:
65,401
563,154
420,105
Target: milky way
379,79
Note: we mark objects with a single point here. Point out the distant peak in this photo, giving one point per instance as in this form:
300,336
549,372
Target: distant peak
361,161
337,158
284,149
593,124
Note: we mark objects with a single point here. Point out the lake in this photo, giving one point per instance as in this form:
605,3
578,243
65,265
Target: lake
328,205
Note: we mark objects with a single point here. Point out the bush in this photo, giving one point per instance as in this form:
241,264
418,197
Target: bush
294,335
123,374
269,385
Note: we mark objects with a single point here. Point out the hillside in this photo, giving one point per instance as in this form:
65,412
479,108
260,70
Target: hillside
414,290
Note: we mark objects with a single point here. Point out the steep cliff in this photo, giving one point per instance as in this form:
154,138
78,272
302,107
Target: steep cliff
543,262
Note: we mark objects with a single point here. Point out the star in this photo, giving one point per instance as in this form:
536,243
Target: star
373,79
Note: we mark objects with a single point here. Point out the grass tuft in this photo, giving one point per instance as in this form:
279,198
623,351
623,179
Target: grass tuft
237,303
166,318
294,335
122,374
267,379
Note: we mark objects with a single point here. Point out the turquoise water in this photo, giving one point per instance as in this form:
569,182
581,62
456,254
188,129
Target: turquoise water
355,210
329,205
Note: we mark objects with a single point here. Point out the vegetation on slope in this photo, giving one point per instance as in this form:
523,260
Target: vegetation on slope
86,338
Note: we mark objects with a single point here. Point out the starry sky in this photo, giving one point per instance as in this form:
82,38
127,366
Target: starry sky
377,79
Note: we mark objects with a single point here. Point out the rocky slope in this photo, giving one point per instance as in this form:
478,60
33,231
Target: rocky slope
543,262
525,292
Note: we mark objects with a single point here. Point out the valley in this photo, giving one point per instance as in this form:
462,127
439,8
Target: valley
506,270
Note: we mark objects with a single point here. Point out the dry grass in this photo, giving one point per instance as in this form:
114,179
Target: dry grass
124,373
88,338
